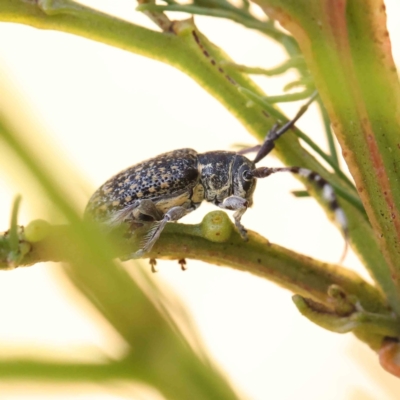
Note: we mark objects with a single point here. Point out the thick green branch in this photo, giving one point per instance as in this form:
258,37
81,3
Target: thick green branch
377,324
222,245
39,370
293,271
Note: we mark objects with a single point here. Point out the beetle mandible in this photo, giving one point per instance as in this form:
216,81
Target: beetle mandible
167,187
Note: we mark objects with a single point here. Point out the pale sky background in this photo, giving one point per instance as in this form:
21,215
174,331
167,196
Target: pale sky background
104,109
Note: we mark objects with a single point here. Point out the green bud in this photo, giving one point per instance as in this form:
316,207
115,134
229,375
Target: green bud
216,227
37,230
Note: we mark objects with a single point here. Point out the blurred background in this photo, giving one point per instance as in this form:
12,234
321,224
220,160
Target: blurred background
100,110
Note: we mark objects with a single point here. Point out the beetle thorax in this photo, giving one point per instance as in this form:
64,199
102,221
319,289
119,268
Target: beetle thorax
215,168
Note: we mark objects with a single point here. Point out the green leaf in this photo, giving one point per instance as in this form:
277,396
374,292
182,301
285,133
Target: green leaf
347,48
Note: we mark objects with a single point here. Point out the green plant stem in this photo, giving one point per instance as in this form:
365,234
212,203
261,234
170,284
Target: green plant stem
329,133
222,5
128,369
13,232
42,371
293,62
289,97
300,193
383,325
247,21
306,81
293,271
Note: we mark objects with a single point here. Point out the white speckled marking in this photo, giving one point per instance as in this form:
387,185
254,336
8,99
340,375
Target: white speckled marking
341,218
304,172
328,193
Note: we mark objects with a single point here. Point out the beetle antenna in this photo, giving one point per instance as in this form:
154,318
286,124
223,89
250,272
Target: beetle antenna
277,131
328,193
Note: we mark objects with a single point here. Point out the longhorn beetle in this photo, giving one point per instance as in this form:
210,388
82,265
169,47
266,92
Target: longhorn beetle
167,187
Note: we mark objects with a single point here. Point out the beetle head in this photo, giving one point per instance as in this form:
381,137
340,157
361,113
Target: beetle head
243,181
224,173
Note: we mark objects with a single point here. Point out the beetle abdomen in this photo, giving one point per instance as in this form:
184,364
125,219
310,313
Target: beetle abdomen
166,175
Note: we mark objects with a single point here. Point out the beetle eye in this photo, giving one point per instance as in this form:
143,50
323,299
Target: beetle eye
247,175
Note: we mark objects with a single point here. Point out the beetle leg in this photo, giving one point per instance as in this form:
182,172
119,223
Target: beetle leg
239,205
153,265
182,263
146,210
140,210
174,214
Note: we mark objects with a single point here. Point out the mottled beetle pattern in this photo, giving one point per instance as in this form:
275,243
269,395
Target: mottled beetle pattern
167,187
167,180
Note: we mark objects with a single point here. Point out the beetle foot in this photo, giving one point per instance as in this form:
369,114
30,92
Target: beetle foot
242,230
153,265
182,263
244,236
